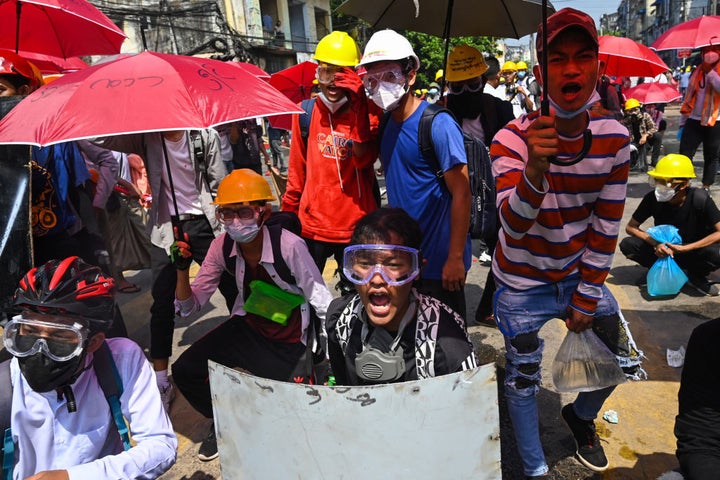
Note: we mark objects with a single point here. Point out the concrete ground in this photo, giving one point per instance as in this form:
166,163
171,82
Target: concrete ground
640,446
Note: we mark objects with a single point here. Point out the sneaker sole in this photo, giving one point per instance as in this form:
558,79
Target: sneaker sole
205,458
589,465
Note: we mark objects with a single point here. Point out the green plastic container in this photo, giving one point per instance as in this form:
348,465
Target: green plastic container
271,302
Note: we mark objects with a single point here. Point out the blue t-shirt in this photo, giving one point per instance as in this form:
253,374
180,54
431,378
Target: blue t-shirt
412,185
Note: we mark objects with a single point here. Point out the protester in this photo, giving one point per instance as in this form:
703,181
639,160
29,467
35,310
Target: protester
388,331
330,170
280,350
694,213
492,78
527,80
181,199
641,128
442,206
16,75
699,110
697,425
275,136
62,425
516,93
656,139
559,227
246,141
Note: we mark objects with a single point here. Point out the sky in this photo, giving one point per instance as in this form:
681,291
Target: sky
595,8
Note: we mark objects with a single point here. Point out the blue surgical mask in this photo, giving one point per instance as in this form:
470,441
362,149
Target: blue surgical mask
522,75
559,112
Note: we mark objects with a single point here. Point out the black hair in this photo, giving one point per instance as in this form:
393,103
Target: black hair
407,65
17,81
493,67
375,227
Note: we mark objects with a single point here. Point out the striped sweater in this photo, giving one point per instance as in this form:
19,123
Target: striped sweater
572,225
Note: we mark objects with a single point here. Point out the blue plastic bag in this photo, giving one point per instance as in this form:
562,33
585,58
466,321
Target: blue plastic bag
665,277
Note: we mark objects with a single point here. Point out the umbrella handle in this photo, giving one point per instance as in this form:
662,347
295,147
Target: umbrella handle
587,143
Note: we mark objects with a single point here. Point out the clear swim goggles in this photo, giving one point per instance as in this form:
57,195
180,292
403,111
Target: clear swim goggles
396,264
59,338
373,79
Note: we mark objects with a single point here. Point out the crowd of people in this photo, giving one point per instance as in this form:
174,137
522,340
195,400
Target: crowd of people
401,310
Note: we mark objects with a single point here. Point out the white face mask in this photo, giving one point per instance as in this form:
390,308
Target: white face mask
388,95
332,106
663,193
559,112
243,232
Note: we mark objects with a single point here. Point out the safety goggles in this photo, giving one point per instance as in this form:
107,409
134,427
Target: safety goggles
667,182
59,338
372,80
326,74
246,214
396,264
472,86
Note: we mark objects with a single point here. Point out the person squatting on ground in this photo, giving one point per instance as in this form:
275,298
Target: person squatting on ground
62,424
441,206
697,425
388,331
181,198
559,227
247,340
331,177
692,210
641,127
699,110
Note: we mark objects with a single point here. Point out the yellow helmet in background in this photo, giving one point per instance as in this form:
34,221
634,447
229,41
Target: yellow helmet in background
338,48
439,74
673,165
521,65
243,185
465,62
509,67
631,103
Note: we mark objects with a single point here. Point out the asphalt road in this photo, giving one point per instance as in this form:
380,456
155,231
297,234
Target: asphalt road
640,446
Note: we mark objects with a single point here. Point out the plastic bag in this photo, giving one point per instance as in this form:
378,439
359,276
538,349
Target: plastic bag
583,364
665,277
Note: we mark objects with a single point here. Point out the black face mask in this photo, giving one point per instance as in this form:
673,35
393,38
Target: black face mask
44,374
465,105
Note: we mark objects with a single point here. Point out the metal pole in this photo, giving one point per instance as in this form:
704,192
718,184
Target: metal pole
18,9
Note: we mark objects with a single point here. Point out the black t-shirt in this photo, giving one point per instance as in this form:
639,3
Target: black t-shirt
694,219
697,426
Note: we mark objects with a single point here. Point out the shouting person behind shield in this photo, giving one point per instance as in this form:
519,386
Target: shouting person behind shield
559,228
389,332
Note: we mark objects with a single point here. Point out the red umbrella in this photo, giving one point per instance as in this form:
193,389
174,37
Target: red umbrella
653,92
295,82
63,28
625,57
695,33
254,69
141,93
49,64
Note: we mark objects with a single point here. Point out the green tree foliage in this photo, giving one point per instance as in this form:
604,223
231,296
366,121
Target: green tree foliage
429,49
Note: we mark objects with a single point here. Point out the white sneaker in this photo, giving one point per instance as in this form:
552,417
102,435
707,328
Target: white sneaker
484,258
167,395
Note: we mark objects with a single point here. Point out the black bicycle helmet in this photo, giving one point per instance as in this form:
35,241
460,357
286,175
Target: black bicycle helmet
69,287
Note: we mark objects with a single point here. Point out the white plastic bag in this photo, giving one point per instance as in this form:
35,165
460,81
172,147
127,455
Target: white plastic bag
583,364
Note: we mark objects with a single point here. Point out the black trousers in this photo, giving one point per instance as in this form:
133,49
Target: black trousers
162,311
693,135
698,263
321,251
237,345
453,299
698,466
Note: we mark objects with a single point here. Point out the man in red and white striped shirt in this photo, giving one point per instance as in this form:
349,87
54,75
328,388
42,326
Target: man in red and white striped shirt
559,228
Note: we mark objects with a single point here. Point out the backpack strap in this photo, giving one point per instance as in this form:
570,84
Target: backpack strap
425,136
281,267
305,118
109,379
8,446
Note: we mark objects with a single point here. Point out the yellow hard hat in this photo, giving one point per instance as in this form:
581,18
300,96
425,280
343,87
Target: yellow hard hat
439,74
338,48
465,62
509,66
673,165
521,65
243,185
631,103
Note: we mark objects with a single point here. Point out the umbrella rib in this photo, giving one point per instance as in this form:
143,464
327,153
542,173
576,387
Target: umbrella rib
512,22
390,4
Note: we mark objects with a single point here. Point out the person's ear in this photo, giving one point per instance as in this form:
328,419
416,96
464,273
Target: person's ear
95,341
265,213
24,90
538,74
411,77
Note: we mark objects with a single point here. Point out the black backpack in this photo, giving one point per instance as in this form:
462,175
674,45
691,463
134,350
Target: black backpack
483,213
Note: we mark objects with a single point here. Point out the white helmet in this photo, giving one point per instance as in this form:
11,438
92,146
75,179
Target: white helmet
388,45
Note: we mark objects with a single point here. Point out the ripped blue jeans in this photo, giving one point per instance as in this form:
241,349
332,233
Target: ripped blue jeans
520,314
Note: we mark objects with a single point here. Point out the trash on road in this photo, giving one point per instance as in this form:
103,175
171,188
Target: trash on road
611,416
676,358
